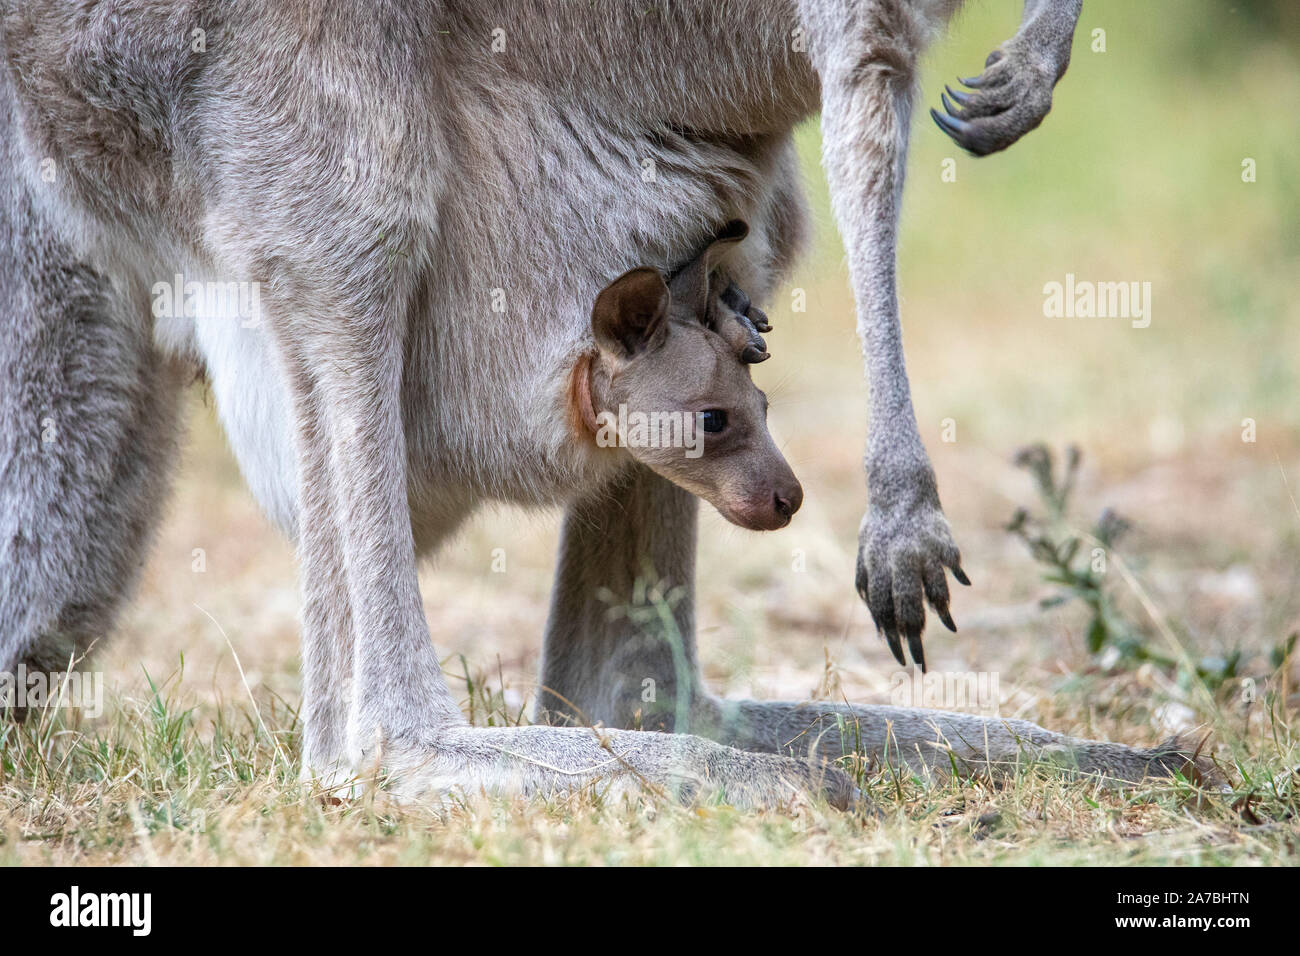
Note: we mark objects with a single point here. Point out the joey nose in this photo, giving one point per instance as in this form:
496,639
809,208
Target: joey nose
787,501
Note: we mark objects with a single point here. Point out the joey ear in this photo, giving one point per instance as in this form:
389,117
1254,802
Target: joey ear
691,283
631,313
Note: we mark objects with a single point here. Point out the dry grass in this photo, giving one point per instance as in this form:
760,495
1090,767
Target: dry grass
202,770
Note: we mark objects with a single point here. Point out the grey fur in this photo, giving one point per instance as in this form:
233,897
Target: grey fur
388,177
87,434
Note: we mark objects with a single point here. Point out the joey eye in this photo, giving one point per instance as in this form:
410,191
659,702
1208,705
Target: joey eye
713,420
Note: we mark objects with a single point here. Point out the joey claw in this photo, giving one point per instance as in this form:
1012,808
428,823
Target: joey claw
946,617
758,318
960,575
735,298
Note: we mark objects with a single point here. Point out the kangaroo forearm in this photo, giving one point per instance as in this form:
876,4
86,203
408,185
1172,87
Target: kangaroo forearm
867,86
1048,25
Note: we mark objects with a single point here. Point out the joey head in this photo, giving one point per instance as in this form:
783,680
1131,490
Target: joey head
669,384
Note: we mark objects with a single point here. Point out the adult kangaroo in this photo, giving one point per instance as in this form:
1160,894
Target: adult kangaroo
430,196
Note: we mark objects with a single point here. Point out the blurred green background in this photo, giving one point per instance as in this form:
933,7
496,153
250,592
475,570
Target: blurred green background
1135,175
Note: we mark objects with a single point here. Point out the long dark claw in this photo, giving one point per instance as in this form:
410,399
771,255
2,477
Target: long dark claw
965,99
914,645
975,82
950,124
861,580
944,616
895,647
960,575
953,111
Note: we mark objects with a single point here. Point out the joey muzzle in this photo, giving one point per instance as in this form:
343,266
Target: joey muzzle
764,505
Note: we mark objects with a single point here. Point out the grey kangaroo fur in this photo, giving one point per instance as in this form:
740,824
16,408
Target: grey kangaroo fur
432,195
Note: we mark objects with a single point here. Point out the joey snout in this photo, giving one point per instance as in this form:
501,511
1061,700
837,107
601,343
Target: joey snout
750,487
763,502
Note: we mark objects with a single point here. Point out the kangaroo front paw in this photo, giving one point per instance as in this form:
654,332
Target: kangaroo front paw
903,548
1006,101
